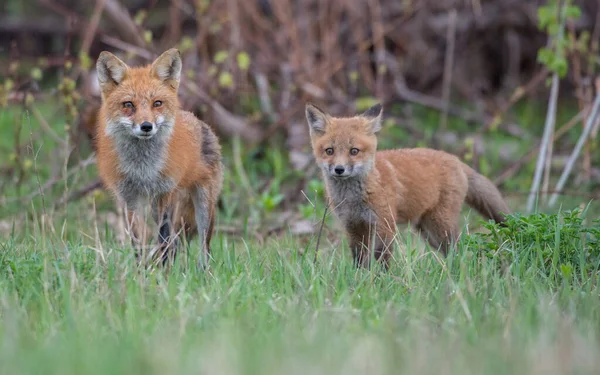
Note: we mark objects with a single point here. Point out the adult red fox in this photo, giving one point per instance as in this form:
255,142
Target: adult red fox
148,148
372,191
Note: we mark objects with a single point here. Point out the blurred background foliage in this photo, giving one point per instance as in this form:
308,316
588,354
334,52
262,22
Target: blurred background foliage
467,76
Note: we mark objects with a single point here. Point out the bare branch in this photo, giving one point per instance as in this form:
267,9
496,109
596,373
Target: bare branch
591,121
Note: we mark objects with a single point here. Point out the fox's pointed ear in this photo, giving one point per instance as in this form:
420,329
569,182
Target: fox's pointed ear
111,71
373,115
167,67
316,118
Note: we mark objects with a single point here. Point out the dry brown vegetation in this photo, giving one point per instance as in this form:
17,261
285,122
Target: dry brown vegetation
251,65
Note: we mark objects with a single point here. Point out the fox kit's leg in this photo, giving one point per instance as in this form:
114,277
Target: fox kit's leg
204,222
440,227
366,238
383,242
358,238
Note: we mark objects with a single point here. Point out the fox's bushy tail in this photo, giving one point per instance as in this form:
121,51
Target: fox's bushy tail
483,196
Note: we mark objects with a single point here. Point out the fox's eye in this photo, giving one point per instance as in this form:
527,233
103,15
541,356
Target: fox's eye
157,103
128,105
329,151
353,151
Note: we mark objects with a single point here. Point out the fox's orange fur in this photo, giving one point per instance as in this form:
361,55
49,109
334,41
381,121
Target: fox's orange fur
372,192
149,148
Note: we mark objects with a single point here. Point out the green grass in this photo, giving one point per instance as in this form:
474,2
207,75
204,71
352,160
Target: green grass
77,308
517,300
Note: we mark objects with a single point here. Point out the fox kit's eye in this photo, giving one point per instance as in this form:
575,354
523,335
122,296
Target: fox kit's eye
128,105
353,151
329,151
157,103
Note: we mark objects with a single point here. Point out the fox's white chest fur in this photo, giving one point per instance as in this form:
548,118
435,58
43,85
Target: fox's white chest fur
348,201
141,162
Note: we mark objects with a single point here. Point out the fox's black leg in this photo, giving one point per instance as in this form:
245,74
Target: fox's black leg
167,241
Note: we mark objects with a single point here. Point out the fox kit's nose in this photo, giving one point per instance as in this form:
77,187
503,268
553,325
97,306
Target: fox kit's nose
146,126
339,169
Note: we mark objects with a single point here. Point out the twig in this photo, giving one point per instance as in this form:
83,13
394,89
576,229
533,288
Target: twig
90,31
262,85
448,62
568,193
225,120
378,31
175,22
320,232
78,194
546,148
546,139
239,167
409,95
35,169
509,172
53,181
123,23
583,96
127,47
46,127
591,121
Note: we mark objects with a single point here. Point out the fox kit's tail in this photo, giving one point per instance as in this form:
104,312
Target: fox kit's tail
483,196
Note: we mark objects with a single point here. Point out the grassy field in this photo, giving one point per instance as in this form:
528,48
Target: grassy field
513,308
517,300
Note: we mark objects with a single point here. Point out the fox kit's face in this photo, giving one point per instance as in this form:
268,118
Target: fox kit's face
140,102
344,147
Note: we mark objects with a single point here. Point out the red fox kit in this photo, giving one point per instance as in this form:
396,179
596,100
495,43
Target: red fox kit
148,148
371,192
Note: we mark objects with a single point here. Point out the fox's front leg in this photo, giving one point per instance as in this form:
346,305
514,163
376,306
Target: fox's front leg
371,240
204,214
162,213
133,229
358,235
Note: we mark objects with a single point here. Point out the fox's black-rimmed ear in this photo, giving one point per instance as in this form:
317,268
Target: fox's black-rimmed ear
374,115
111,71
316,118
167,67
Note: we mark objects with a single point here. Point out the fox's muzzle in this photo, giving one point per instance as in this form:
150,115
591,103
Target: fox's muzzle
339,170
145,130
146,127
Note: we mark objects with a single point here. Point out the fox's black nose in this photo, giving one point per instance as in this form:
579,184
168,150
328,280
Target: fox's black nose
146,126
339,169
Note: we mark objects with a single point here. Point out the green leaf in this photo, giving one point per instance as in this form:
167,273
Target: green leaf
148,36
553,29
545,56
545,15
36,74
561,67
140,17
572,12
221,56
226,79
186,44
566,270
85,61
365,102
243,61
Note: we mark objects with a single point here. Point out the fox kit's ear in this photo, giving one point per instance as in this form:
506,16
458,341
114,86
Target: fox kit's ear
167,67
317,119
111,71
373,115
